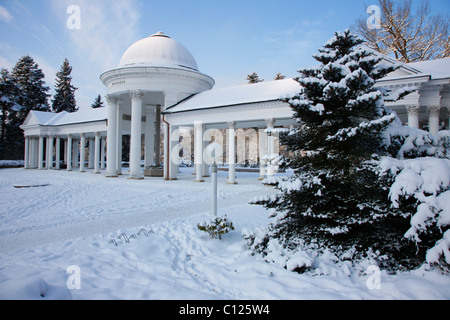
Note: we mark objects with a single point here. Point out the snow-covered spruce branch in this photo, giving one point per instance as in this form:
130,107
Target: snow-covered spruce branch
363,127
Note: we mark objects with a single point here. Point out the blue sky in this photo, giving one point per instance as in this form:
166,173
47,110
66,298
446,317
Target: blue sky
229,39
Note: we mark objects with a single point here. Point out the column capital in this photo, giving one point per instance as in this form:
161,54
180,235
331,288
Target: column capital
413,110
111,99
136,94
434,111
270,123
232,124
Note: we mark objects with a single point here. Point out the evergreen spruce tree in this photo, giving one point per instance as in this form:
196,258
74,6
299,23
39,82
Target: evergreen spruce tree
254,78
30,93
64,98
336,199
29,79
98,103
8,96
279,76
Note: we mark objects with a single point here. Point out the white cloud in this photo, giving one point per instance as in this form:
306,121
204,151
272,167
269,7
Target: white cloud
5,15
106,30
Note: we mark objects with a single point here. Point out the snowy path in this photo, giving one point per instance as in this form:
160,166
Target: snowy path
72,221
81,204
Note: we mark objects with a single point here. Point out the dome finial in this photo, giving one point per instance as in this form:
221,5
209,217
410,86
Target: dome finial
159,34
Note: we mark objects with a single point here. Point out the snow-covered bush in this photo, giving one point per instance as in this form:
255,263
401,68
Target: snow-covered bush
421,191
216,227
406,143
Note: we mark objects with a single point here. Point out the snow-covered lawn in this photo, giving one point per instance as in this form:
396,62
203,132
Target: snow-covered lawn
65,234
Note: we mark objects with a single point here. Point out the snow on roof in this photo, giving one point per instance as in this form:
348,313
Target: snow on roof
63,118
242,94
438,69
42,117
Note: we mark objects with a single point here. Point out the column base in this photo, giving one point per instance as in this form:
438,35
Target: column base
135,178
260,179
111,176
232,182
201,180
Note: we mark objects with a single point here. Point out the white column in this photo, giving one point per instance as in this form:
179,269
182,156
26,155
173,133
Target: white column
32,151
170,168
49,161
65,150
75,155
231,153
41,153
58,153
205,166
69,152
434,113
270,146
174,148
91,154
112,137
430,97
198,150
150,112
82,152
158,135
102,153
262,153
97,153
166,162
27,154
136,132
413,116
119,138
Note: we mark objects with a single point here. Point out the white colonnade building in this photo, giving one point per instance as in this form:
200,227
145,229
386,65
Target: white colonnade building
158,84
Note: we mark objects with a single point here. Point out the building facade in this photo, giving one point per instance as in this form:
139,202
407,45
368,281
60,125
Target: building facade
157,92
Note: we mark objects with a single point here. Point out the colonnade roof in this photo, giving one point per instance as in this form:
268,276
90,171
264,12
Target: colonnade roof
237,95
65,118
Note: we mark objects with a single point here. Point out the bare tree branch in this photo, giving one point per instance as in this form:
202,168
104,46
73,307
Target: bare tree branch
406,35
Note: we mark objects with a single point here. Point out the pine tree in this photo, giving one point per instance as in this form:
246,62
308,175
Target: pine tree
8,96
29,79
98,103
254,78
30,93
336,199
64,98
279,76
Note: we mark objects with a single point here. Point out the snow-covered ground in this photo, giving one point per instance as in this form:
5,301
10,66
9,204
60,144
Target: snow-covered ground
67,240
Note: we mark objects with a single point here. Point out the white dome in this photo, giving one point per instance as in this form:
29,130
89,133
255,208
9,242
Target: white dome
158,50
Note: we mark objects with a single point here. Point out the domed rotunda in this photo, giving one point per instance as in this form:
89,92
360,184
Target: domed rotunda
153,74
